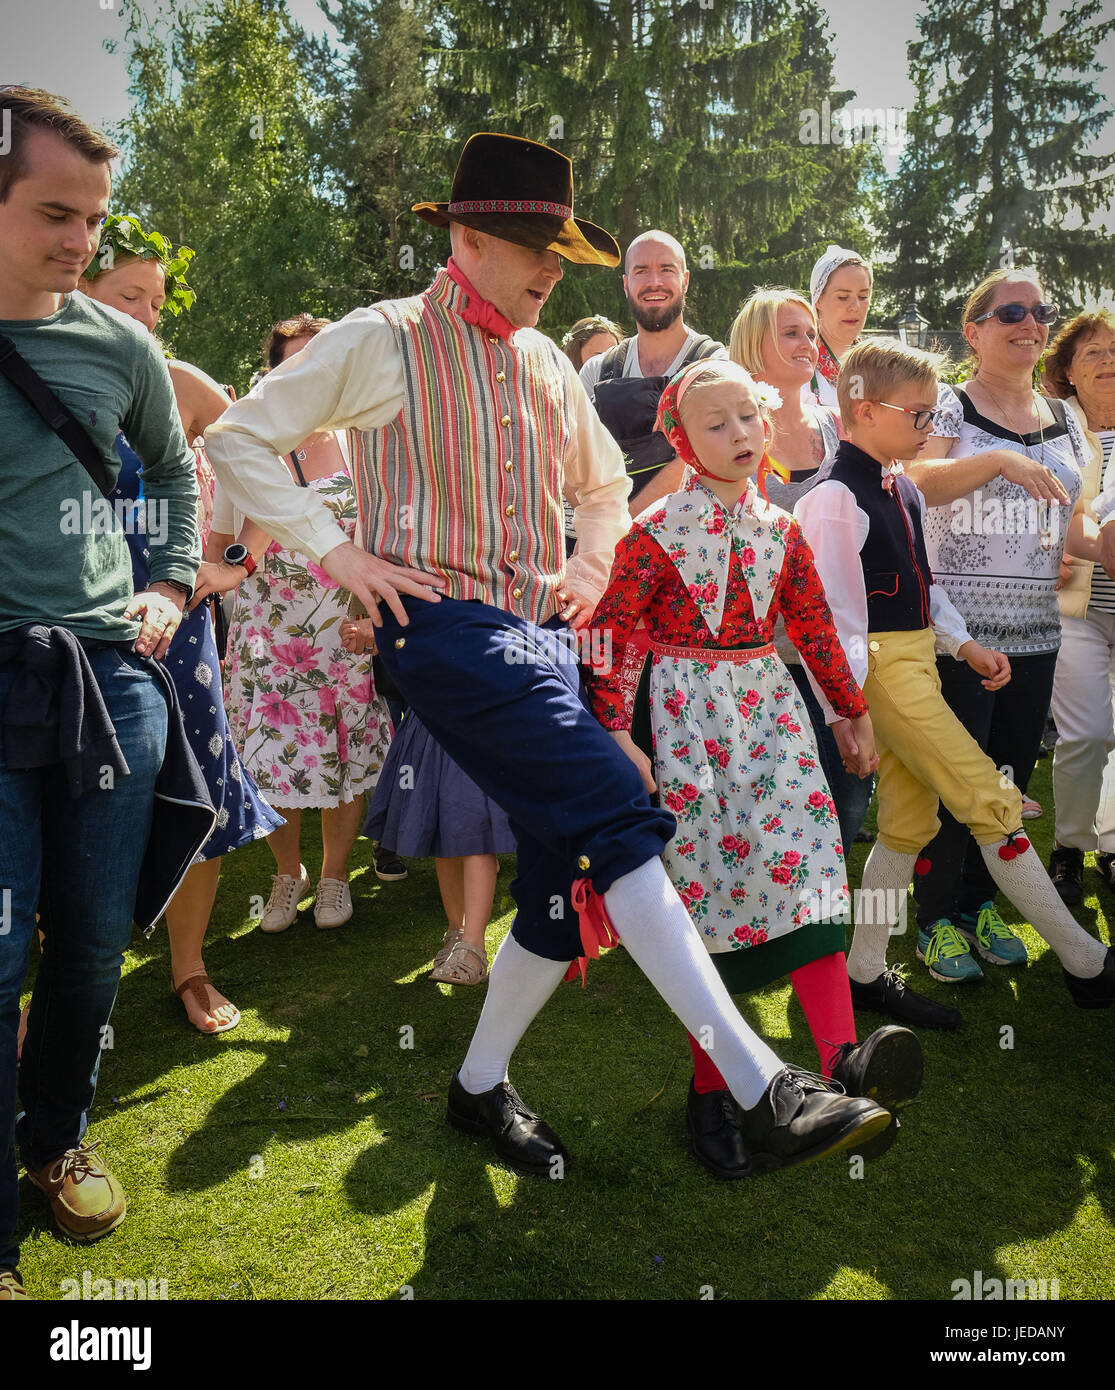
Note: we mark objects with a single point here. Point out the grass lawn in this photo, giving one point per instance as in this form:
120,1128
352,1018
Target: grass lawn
306,1155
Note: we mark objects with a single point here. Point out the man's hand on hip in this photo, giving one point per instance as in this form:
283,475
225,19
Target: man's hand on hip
371,580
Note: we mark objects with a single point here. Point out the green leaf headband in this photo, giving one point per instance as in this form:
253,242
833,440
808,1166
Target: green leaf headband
123,236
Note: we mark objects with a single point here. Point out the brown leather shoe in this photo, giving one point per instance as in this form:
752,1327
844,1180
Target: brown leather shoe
10,1287
86,1199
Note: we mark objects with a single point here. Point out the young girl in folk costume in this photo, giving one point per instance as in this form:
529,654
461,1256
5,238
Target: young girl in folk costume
757,858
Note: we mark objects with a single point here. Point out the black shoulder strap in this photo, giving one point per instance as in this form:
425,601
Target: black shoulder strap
30,384
702,348
614,361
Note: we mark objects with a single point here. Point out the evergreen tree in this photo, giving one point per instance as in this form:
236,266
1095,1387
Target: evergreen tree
218,157
680,116
999,172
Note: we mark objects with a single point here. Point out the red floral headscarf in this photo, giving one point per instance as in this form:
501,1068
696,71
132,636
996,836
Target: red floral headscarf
669,422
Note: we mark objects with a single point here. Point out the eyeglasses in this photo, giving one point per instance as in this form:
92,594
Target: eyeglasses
1015,313
922,418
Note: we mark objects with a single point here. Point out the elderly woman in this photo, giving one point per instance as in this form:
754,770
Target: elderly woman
774,337
840,288
1080,371
1001,475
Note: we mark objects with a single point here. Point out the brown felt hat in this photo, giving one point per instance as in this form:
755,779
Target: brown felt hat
521,192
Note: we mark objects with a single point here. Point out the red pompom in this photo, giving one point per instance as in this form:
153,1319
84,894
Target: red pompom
1007,852
922,865
1021,844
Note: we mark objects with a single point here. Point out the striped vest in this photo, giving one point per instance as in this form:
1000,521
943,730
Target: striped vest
466,481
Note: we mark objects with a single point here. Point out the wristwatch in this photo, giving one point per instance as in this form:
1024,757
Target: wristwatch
238,554
186,589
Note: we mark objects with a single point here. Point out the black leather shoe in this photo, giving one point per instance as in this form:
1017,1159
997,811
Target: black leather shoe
1066,869
1105,863
887,1067
712,1120
1098,993
889,994
517,1134
802,1118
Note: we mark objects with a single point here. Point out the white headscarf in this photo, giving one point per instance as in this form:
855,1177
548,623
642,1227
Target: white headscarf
833,259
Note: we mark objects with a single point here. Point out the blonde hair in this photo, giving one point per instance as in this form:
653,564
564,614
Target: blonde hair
979,302
876,366
757,318
716,370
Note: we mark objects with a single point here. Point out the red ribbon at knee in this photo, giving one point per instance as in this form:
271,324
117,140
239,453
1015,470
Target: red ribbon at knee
597,931
1016,844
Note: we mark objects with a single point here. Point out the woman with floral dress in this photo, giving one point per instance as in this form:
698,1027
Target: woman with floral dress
757,858
303,710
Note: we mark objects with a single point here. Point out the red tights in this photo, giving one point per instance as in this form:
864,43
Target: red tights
826,1000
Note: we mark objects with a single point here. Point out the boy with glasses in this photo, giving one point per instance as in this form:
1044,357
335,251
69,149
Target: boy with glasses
865,524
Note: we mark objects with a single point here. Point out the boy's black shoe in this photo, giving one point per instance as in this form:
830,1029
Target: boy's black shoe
889,994
801,1118
1066,869
1105,863
712,1120
887,1067
517,1134
389,868
1098,993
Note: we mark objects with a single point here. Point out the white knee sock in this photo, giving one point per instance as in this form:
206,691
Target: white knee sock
663,942
889,870
1028,886
519,983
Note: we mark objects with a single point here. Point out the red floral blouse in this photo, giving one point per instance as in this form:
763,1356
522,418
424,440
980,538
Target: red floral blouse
646,584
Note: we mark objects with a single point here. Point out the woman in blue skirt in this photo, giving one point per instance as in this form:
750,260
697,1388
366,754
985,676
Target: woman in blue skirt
425,805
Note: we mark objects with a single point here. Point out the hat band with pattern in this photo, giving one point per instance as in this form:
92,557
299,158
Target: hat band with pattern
562,210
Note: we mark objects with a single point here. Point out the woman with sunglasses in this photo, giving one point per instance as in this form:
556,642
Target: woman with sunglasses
1001,476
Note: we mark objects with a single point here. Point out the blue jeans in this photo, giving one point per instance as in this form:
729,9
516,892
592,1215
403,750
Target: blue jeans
852,794
76,861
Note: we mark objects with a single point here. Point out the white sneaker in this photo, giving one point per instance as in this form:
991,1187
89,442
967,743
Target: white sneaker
332,902
282,905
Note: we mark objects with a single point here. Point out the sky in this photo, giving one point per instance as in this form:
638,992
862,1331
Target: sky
58,44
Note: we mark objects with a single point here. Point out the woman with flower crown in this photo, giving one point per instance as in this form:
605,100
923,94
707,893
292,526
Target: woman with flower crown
757,858
139,274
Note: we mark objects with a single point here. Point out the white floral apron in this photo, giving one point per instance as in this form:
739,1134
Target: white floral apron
757,851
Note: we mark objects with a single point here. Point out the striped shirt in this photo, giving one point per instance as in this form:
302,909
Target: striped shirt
1103,589
467,440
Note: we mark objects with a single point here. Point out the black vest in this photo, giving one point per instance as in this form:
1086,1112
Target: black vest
628,405
896,571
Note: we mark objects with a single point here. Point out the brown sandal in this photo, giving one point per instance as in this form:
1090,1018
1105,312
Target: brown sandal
457,969
450,939
196,985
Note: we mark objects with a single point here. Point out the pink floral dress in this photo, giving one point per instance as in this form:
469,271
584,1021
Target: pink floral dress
758,846
303,712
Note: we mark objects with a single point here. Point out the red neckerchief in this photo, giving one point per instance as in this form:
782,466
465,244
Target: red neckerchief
477,311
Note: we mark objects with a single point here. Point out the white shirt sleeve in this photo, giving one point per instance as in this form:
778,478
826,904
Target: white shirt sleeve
598,486
836,529
948,626
349,376
590,373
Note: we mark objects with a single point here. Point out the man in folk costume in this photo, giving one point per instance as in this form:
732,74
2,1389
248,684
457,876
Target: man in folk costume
470,425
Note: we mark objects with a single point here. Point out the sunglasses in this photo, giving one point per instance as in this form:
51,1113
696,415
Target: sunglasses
1015,313
922,418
